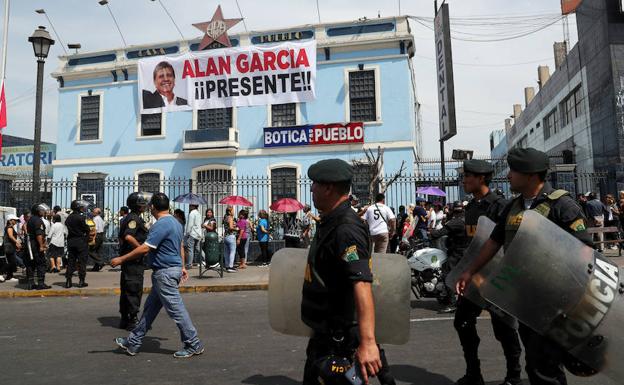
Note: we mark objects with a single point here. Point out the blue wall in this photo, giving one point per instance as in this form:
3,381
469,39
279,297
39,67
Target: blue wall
120,120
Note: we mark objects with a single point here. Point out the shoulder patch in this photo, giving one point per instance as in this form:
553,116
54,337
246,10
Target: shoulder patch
132,225
350,254
578,225
557,194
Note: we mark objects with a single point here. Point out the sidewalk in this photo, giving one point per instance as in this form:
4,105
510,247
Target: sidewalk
106,282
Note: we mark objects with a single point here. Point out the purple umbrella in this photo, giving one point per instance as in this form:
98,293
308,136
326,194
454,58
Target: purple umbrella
431,190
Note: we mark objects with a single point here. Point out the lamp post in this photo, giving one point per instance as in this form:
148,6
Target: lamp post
41,42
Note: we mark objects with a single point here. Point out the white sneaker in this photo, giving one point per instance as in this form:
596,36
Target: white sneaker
12,280
1,278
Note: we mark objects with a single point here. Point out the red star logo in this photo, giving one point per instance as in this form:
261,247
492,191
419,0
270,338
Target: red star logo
216,29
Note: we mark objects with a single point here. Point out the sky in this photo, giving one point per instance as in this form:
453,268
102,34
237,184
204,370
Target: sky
489,76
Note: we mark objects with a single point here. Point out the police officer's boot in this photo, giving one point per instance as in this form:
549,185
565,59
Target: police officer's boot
82,283
43,286
473,374
31,284
123,323
471,379
132,322
68,283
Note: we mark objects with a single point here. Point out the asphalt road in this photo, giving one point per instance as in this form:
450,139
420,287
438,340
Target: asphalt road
70,341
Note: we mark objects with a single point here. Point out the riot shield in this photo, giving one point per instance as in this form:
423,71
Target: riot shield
562,289
391,290
485,226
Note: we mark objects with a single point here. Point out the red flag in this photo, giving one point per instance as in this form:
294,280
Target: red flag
3,114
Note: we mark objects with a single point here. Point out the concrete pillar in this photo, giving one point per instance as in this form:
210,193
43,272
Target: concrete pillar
529,94
560,50
543,74
517,110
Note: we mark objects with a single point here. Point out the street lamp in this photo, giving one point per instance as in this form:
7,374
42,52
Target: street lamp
41,42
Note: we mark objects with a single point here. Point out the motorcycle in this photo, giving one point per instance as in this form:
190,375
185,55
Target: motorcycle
429,269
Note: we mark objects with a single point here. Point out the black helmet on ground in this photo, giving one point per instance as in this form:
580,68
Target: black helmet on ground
138,200
336,370
79,205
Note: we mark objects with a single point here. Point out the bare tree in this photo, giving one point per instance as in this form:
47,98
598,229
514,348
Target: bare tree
374,162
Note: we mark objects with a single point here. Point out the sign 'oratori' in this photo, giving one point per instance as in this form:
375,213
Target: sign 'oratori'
444,69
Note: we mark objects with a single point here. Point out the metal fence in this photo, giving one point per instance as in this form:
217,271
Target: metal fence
110,193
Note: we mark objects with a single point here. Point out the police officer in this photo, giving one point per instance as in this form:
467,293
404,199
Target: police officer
456,242
77,243
527,177
477,176
337,292
131,235
35,257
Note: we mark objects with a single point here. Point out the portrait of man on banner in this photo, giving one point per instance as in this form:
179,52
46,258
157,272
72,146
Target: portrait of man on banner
164,95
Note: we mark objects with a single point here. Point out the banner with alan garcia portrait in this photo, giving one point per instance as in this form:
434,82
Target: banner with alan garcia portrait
228,77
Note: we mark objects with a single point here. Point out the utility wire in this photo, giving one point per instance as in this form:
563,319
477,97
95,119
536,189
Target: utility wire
171,17
58,37
318,11
241,15
116,24
489,65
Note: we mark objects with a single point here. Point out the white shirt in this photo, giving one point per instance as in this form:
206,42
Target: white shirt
99,224
375,216
193,225
57,234
46,223
439,217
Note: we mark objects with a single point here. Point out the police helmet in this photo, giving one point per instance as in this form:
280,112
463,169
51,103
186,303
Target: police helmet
136,200
336,370
37,208
79,205
458,206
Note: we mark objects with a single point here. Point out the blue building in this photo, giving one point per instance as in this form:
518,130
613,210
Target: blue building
364,74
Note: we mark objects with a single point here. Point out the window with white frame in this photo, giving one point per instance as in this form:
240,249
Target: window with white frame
89,117
151,124
149,182
283,183
362,97
214,185
284,115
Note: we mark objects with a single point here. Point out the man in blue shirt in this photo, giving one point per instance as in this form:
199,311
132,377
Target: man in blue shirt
420,216
165,248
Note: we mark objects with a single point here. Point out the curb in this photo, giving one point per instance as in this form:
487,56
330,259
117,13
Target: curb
100,292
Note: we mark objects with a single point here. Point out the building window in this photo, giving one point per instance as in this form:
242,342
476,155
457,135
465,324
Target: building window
551,124
89,117
214,185
567,110
149,182
284,115
90,190
578,101
362,99
523,142
214,118
151,124
362,176
283,183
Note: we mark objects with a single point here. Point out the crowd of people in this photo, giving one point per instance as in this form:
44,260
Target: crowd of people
54,234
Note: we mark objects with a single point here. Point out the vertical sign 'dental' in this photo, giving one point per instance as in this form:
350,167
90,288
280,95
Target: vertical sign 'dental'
444,69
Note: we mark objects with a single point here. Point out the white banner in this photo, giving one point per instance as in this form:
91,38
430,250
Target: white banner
218,78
